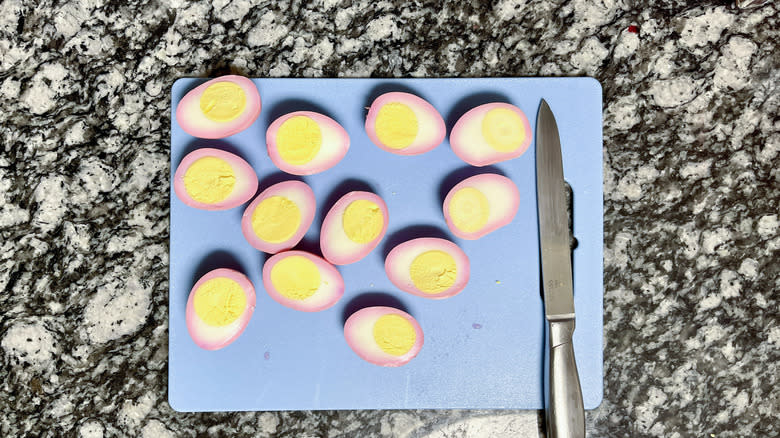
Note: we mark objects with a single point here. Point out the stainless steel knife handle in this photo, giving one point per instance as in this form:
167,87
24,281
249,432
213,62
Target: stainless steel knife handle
566,415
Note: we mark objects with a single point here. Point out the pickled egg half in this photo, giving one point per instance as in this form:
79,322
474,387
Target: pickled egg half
213,179
481,204
428,267
219,308
302,281
353,227
279,217
404,124
491,133
219,108
384,336
305,142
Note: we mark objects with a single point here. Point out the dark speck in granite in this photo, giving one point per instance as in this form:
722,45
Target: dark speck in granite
691,183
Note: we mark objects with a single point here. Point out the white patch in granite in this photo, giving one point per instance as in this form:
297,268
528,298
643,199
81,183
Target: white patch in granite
767,226
589,57
76,133
231,10
697,171
590,15
117,310
730,286
729,352
12,214
267,423
506,10
399,424
42,96
133,413
124,243
31,342
344,17
710,302
647,412
156,429
519,424
773,336
711,240
91,429
61,407
627,44
623,114
733,67
712,333
95,177
550,69
769,151
10,89
705,28
630,186
10,11
192,14
689,238
267,31
749,268
664,65
70,18
668,93
382,28
50,194
282,69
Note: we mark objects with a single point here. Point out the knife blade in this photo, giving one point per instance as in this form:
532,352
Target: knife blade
565,413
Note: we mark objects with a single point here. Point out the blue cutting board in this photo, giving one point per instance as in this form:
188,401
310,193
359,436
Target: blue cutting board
484,348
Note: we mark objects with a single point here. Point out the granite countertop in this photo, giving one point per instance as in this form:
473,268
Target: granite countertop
691,187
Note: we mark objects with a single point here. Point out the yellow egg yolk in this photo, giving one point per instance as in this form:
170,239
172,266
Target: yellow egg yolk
219,301
223,101
276,219
362,221
394,334
503,129
298,140
209,180
469,209
396,125
433,271
296,277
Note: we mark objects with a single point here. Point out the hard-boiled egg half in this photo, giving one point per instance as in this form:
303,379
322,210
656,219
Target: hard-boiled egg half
219,307
428,267
383,335
353,227
404,124
305,142
302,281
481,204
212,179
219,108
491,133
279,217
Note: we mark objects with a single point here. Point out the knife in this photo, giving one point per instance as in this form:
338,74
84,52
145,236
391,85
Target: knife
565,413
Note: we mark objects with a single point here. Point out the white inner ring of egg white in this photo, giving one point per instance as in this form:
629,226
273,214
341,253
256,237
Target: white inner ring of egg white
211,334
326,289
195,117
362,330
338,238
300,200
425,121
331,146
402,261
471,134
497,194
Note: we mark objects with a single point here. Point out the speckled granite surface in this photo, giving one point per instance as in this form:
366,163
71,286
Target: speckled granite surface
692,190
